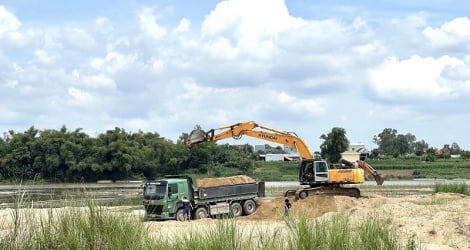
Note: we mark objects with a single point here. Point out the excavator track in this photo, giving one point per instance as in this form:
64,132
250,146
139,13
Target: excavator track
327,190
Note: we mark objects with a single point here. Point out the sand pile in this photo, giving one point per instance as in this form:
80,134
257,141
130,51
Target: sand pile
231,180
313,206
439,221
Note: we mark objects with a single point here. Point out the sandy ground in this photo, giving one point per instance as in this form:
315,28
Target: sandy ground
440,221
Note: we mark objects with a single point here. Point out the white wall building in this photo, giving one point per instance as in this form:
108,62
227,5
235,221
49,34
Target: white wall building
356,151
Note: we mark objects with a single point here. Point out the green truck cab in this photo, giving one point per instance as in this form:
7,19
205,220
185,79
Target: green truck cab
162,198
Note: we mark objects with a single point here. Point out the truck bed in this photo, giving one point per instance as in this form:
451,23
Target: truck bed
227,191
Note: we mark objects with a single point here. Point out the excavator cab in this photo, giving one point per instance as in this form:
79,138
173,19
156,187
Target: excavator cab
313,171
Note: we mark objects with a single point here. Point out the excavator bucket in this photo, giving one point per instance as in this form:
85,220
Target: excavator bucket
196,136
379,179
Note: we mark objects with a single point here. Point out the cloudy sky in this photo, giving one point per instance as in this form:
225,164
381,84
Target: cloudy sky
297,65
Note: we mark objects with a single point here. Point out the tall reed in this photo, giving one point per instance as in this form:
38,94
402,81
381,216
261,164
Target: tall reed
458,188
95,227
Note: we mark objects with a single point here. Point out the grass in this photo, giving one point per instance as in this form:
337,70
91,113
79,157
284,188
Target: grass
94,227
434,201
458,188
89,227
336,232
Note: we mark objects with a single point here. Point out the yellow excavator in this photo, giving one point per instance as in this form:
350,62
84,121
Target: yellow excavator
313,171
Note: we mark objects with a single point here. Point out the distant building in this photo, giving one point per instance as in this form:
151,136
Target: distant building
279,157
356,151
443,151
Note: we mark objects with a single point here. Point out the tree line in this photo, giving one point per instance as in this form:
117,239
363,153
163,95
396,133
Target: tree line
73,156
390,144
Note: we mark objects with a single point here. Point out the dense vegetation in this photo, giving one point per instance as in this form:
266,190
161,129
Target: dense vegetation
73,156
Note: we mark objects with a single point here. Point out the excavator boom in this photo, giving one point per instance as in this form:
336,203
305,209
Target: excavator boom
251,129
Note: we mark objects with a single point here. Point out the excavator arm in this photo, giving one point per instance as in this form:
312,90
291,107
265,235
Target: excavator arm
369,169
366,167
251,129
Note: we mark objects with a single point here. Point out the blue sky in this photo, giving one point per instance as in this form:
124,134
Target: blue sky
301,66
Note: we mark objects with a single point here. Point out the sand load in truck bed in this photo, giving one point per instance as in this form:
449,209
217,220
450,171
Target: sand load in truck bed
224,181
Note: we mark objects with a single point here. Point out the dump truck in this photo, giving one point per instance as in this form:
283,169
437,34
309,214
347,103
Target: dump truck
212,197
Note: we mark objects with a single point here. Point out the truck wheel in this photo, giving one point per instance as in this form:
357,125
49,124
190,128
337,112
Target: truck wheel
249,207
201,213
179,215
236,209
303,195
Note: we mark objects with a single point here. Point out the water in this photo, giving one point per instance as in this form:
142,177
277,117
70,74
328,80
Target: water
58,195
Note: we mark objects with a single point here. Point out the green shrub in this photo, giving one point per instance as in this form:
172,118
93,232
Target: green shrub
458,188
336,232
89,227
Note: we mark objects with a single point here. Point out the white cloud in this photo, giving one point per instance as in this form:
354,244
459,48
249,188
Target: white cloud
113,62
80,97
250,18
415,78
389,114
11,84
9,115
79,38
319,36
98,81
193,92
249,25
221,48
43,57
366,51
162,69
302,106
183,26
453,33
101,21
8,21
158,65
12,34
149,25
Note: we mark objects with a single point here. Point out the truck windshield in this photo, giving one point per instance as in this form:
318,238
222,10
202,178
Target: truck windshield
155,192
